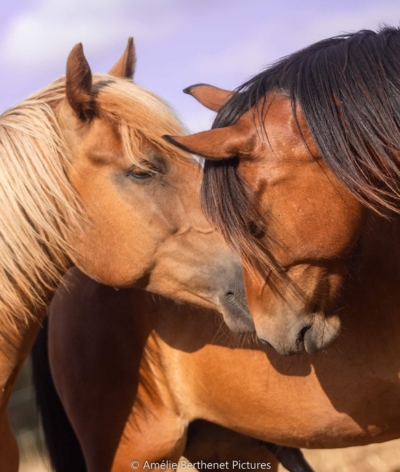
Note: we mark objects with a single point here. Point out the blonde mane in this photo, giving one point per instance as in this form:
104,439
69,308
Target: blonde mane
38,205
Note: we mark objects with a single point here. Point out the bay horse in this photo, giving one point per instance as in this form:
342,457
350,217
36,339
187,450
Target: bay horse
132,388
302,177
79,160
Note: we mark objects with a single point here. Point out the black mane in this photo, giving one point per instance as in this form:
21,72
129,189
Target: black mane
348,88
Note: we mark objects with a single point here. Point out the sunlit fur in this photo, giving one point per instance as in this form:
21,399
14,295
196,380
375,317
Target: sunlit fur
38,206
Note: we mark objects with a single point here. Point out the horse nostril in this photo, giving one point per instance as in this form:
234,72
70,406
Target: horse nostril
232,296
264,341
300,337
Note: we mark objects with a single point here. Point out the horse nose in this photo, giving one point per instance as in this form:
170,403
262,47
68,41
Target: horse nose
236,299
235,310
301,335
238,295
289,341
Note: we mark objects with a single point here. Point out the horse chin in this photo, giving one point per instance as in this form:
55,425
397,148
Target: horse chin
321,333
236,314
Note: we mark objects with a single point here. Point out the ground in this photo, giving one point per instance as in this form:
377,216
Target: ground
373,458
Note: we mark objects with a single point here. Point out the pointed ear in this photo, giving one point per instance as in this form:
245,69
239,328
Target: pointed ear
211,97
125,66
79,84
218,143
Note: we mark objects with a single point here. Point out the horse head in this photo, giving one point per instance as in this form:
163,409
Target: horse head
301,162
288,216
99,188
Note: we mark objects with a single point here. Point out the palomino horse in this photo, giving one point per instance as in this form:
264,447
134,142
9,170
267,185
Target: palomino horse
78,161
302,177
130,388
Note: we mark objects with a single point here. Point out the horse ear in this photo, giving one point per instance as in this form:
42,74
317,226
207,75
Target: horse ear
211,97
79,84
125,66
218,143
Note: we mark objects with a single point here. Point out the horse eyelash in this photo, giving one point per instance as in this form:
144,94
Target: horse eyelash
146,166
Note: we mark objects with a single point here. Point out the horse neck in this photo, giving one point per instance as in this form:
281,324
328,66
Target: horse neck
378,261
381,240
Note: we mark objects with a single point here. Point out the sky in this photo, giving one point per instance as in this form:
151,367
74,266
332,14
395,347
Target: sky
178,42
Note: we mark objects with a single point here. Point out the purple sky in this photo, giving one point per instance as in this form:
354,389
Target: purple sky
179,42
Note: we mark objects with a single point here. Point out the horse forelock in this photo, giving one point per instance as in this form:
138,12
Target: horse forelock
142,116
39,208
348,88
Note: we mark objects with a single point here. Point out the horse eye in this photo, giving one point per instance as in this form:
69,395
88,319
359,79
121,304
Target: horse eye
255,230
139,173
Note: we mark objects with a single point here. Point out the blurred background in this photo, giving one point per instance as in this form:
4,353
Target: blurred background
178,43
